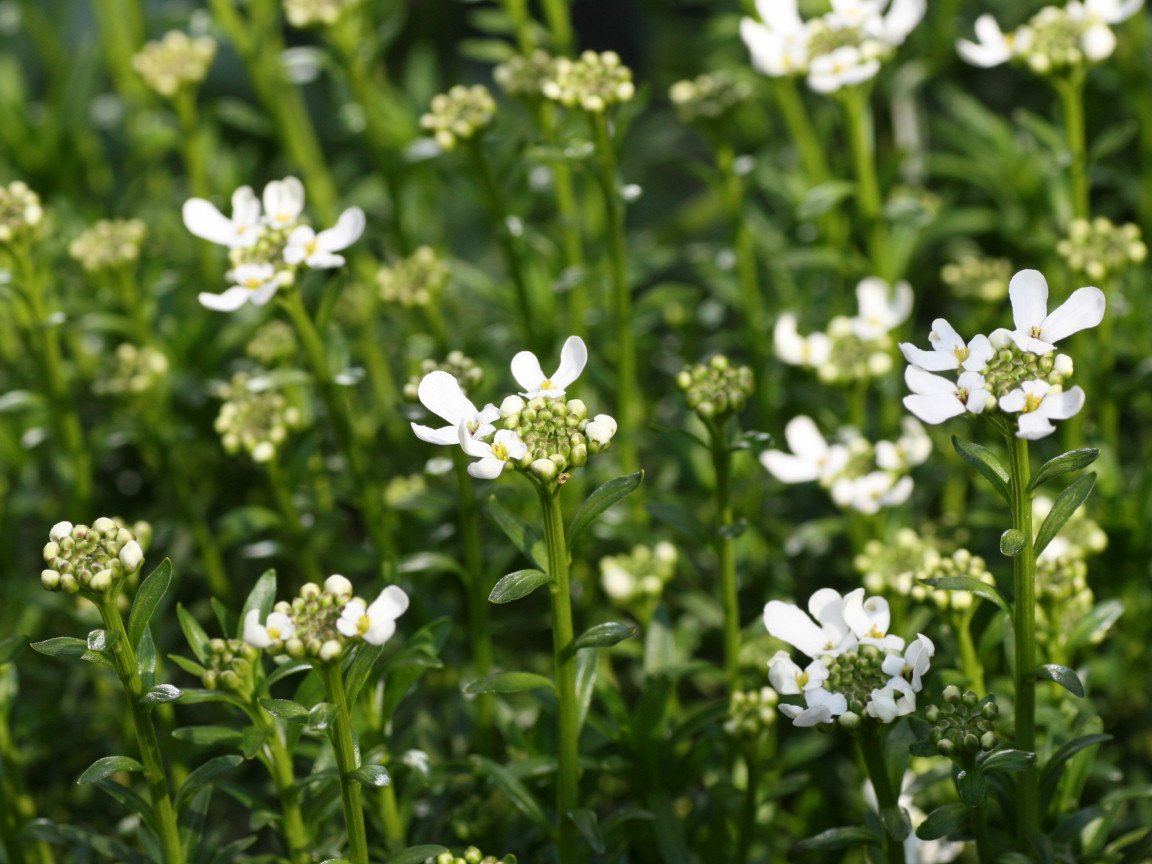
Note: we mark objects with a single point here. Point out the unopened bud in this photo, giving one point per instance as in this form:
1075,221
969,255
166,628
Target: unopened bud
330,650
338,585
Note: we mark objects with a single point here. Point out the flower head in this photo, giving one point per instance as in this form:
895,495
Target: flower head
528,374
812,458
277,629
376,623
242,230
94,559
441,394
1036,329
1038,403
506,447
949,350
305,246
935,399
283,202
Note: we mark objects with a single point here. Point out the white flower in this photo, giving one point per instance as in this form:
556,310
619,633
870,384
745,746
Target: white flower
256,283
844,67
949,351
278,628
910,449
935,399
528,374
375,624
872,492
869,619
788,679
894,699
440,393
283,202
601,429
1036,330
992,48
779,46
902,18
797,350
242,230
822,707
131,556
811,459
1112,11
915,662
506,447
1039,404
830,638
318,250
881,307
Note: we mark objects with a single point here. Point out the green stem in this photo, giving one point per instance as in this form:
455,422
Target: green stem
192,143
559,18
296,834
573,244
726,553
309,563
984,849
127,667
346,762
1071,92
871,743
121,27
867,186
969,661
137,306
563,638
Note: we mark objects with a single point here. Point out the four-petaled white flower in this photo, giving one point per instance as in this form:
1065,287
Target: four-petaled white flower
278,628
376,623
203,220
935,399
440,393
283,202
1037,330
844,67
812,458
909,450
949,350
881,307
797,350
506,447
255,283
528,374
1038,404
318,250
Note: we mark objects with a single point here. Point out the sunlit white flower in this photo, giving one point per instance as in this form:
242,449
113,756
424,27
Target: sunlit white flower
376,623
506,447
779,45
844,67
812,458
915,662
949,350
797,350
528,374
283,202
869,619
894,699
832,636
278,628
935,399
255,283
242,230
901,19
601,429
788,679
823,707
440,393
881,307
318,250
992,47
1039,404
1036,330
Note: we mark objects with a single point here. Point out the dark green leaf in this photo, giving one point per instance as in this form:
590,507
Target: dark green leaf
224,618
896,822
1062,510
605,635
508,682
322,715
286,709
131,800
599,501
189,666
1063,676
590,829
969,583
146,659
99,658
108,766
160,694
360,668
514,789
52,832
523,536
207,735
192,821
371,775
1073,460
986,464
11,647
148,597
254,739
285,669
586,669
61,646
1050,774
839,838
1008,760
431,562
205,774
416,854
261,598
943,821
194,633
669,828
101,640
971,786
1012,542
1094,625
517,585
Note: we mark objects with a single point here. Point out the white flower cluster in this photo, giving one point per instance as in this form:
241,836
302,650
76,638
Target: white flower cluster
859,475
640,575
174,62
1054,39
851,349
268,249
1010,370
841,48
858,669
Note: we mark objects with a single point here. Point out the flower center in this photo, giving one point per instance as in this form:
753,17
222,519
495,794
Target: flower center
363,623
274,633
961,353
1031,403
500,451
1035,331
875,632
252,283
548,385
801,679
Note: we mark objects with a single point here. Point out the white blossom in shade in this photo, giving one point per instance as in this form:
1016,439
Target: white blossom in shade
779,45
506,447
902,18
993,45
1037,330
912,448
915,662
949,350
601,429
278,628
255,283
318,251
882,307
788,679
528,374
829,635
844,67
440,393
812,458
823,706
935,399
1038,404
376,623
203,220
894,699
797,350
283,202
869,619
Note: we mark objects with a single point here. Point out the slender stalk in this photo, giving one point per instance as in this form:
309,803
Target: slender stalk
984,849
278,483
867,186
969,661
121,27
127,667
871,743
346,762
137,306
573,243
563,638
1071,92
726,552
279,761
192,143
558,16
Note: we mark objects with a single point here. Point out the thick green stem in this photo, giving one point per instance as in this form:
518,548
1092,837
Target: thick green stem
1024,625
301,539
296,834
984,850
346,762
127,668
726,553
563,638
1071,91
872,749
867,186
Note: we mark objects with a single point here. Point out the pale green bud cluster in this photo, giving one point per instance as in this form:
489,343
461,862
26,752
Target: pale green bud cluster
558,433
109,244
708,98
413,281
459,115
856,673
751,713
964,724
93,559
716,390
274,343
20,211
472,855
463,368
640,575
889,567
825,39
978,278
1010,367
1099,249
230,666
314,614
959,563
852,358
592,83
175,61
255,420
269,249
1054,41
524,77
310,13
135,370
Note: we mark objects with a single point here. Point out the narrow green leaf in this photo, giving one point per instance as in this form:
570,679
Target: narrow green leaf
508,682
253,740
669,828
514,789
1073,460
517,585
1062,510
207,736
971,786
286,709
292,667
101,640
431,562
839,838
197,639
599,501
1008,760
371,775
1063,676
1012,542
190,666
360,668
969,583
943,821
1092,627
62,646
11,647
1050,774
108,766
193,819
986,464
160,694
204,775
131,800
589,828
416,854
146,659
261,598
523,536
148,597
605,635
224,618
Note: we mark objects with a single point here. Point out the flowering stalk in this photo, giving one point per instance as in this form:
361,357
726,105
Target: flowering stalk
346,763
726,553
121,27
558,16
1070,88
193,141
855,100
871,743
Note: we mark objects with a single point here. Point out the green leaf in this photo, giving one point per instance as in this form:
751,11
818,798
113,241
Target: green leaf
286,709
986,464
192,821
1008,760
971,786
101,640
148,597
969,583
197,639
204,775
1050,774
282,671
322,715
1073,460
517,585
207,735
508,682
823,198
253,740
523,536
1012,542
896,822
190,666
261,598
160,694
224,618
360,668
129,799
514,789
1062,510
371,775
62,646
108,766
99,658
431,562
599,501
1094,625
416,854
1063,676
943,821
11,647
605,635
839,838
589,828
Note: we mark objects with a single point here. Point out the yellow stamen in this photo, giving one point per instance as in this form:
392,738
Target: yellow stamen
961,353
273,633
500,451
875,632
801,679
548,385
1035,332
363,623
1031,403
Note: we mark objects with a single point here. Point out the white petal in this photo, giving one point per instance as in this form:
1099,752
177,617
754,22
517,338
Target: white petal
1012,402
488,468
783,674
245,207
788,623
788,468
980,351
934,409
900,492
527,372
345,232
379,632
1028,291
391,603
254,633
283,200
813,716
573,358
1061,406
445,435
924,383
229,301
264,293
1084,309
470,445
440,393
206,222
512,444
827,606
321,260
932,361
1033,425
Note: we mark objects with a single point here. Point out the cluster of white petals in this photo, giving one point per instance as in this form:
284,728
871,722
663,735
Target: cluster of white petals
841,48
268,243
